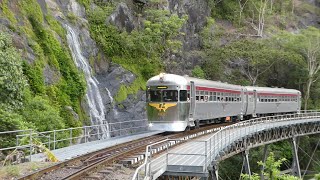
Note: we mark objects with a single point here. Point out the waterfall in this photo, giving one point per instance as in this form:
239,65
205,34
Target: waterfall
97,114
115,111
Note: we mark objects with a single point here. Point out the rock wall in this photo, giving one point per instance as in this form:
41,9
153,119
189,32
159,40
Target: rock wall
111,76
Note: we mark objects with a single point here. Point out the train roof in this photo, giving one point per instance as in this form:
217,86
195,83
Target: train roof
167,79
272,90
173,79
216,84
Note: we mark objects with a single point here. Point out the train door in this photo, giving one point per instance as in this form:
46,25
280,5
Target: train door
255,96
192,100
244,98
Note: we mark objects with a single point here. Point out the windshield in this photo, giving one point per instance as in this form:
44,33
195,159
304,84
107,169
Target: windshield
162,96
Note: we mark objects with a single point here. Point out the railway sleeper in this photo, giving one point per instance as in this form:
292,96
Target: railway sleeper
106,172
96,177
129,161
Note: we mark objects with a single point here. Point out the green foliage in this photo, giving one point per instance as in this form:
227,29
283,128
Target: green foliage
7,12
85,3
141,50
70,87
42,114
12,80
252,63
198,72
224,9
10,121
124,91
271,170
12,170
59,57
32,9
72,17
35,77
307,44
55,25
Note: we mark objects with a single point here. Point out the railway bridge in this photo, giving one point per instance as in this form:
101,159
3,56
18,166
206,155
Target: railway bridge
201,157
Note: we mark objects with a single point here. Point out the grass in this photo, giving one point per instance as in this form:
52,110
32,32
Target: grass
14,171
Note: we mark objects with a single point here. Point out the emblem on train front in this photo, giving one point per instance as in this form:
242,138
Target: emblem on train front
162,107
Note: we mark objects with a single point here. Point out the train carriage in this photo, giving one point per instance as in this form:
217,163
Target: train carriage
176,102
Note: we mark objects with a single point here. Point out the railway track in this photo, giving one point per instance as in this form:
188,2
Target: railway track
99,164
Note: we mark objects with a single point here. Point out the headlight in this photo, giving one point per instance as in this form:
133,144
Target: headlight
150,124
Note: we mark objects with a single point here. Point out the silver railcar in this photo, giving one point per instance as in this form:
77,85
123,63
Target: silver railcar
176,102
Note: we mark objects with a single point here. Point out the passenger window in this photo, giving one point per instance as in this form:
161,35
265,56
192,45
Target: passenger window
170,96
183,95
197,98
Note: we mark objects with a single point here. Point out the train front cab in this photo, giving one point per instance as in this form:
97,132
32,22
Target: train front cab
167,108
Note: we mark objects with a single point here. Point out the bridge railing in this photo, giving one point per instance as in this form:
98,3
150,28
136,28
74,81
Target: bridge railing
66,137
229,134
145,169
226,135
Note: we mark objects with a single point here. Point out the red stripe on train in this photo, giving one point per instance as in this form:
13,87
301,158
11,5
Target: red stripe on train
198,88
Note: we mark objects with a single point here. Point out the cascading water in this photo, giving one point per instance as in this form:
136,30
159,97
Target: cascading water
115,112
97,114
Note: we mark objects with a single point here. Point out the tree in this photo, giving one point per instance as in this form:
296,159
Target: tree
307,43
253,57
198,72
42,114
271,170
258,23
12,80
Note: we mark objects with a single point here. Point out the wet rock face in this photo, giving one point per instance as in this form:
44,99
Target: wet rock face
133,107
122,18
197,12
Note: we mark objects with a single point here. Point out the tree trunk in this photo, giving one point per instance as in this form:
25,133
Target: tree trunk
307,94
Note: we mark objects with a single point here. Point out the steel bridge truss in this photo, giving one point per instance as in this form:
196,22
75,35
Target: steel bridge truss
231,140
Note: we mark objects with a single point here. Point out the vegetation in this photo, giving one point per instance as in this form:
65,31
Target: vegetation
246,42
12,81
141,50
271,170
26,101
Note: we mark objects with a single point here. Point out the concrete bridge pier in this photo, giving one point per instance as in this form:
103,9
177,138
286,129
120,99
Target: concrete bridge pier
295,165
265,156
246,163
213,173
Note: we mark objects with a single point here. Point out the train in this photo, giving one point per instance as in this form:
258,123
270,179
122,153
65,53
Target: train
177,103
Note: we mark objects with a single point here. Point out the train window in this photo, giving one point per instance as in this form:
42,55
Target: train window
197,98
155,96
170,95
206,92
202,92
183,95
197,92
210,98
214,98
201,98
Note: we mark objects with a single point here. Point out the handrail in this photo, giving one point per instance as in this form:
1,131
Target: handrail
248,125
64,137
